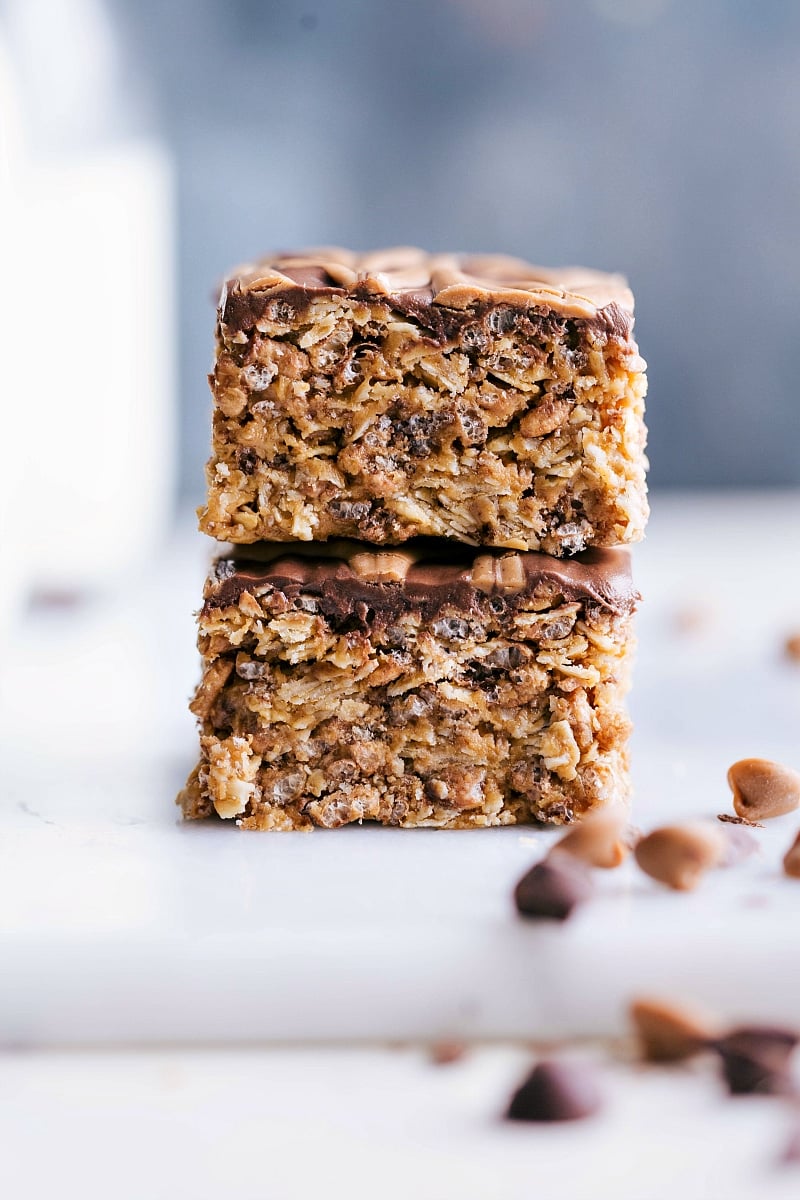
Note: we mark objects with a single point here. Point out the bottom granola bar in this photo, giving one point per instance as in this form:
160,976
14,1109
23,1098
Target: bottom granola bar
430,686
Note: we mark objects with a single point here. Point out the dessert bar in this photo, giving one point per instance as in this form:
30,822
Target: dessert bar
432,685
397,394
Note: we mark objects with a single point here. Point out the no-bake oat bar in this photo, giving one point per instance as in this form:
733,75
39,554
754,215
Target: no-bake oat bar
397,394
432,685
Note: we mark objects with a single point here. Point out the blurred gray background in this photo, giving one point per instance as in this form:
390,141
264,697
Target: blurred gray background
659,137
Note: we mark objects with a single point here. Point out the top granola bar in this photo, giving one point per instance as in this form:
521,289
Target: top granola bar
396,394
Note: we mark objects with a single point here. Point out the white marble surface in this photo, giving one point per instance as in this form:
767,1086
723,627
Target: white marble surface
117,924
371,1124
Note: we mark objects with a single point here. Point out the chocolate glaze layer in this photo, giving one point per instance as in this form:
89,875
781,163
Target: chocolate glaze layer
438,578
440,292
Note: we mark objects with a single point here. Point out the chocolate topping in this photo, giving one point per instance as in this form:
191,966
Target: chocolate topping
433,289
426,576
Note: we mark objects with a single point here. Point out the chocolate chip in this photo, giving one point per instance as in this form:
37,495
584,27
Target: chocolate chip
556,1091
755,1060
553,888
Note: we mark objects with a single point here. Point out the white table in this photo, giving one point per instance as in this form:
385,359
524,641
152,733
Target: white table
358,1124
118,925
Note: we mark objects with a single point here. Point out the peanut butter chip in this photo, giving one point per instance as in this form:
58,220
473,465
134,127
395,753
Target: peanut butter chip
511,574
679,855
791,861
670,1032
381,568
483,573
599,840
763,789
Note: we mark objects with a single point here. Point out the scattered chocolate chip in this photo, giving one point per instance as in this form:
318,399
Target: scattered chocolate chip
679,855
791,859
446,1052
731,819
670,1032
755,1060
763,789
600,840
553,888
556,1091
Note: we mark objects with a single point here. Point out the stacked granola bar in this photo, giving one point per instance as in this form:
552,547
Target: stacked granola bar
427,465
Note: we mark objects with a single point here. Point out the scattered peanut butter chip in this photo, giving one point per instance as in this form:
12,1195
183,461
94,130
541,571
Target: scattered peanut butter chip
554,888
679,855
792,647
763,789
756,1060
556,1091
732,819
670,1032
791,859
600,839
447,1051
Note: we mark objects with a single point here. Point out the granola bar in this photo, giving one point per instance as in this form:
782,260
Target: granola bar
427,686
397,394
